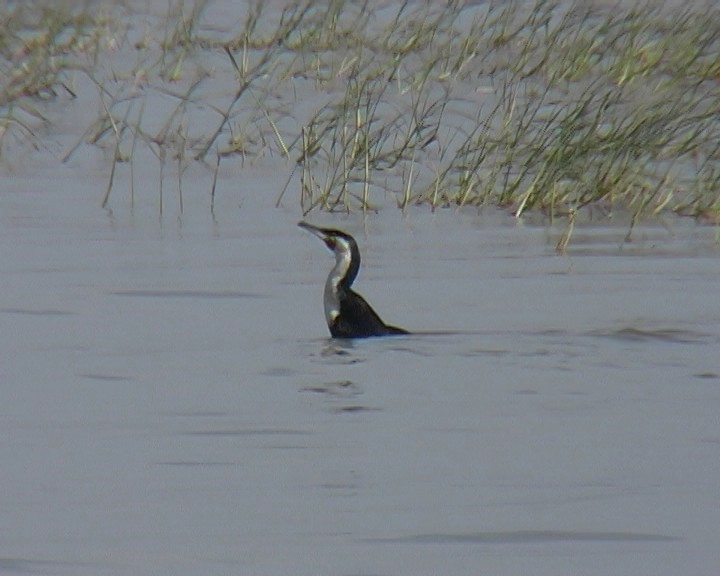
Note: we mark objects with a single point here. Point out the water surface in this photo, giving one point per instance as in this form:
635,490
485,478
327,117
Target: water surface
172,403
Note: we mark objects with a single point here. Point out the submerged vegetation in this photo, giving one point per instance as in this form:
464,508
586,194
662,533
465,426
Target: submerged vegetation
540,105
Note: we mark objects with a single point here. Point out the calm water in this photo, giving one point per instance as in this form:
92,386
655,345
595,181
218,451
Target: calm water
172,404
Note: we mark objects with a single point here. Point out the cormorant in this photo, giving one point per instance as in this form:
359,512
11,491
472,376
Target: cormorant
347,313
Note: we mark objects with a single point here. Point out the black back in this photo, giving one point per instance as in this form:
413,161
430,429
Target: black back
357,319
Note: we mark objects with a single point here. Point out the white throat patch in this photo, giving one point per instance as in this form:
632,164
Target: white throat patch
343,257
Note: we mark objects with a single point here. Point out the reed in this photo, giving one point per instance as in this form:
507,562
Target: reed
549,107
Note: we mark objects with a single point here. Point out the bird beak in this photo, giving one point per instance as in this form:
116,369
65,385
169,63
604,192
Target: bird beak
319,232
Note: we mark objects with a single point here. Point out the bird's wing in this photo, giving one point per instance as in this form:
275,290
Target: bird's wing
357,318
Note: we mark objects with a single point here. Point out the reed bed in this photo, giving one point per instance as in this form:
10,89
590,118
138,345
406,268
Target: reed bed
542,105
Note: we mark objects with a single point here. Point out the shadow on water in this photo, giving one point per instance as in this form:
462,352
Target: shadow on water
630,333
341,397
669,335
527,537
350,351
39,312
28,566
200,294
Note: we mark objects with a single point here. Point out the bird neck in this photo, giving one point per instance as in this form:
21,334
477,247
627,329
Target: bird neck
341,277
347,265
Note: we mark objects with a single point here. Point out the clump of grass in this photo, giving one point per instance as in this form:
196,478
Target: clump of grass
42,45
580,107
549,107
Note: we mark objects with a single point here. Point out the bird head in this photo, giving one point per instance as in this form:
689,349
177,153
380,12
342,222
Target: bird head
342,245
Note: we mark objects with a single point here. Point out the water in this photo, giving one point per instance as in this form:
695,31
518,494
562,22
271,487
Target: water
172,403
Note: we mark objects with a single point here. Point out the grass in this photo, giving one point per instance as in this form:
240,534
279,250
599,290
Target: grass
40,46
540,106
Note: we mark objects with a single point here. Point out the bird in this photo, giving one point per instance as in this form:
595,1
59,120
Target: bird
348,314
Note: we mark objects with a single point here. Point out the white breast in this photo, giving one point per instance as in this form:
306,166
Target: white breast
343,255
